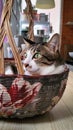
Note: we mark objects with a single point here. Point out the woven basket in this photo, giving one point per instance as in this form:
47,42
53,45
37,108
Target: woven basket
25,96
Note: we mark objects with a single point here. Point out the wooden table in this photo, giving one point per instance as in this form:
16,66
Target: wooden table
59,118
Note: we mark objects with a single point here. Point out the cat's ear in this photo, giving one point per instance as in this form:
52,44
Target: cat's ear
54,43
27,44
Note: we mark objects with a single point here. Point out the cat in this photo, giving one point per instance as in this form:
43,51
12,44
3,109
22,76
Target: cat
43,58
40,58
10,69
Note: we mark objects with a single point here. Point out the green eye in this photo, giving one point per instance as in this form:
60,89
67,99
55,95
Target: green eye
25,55
37,55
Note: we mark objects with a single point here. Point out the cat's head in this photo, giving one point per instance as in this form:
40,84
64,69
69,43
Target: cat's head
42,59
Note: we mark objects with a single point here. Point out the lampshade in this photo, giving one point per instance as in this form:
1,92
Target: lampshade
45,4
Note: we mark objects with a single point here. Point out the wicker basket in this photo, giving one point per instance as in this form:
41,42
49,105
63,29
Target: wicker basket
25,96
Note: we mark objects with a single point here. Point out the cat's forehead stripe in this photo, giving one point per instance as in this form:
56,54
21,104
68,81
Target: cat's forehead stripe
33,48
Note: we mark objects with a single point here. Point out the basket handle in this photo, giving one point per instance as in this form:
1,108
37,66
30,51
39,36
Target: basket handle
29,14
5,30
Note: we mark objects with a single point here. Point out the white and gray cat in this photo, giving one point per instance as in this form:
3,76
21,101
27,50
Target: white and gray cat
42,59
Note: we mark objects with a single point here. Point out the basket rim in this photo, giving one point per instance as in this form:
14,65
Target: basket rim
66,70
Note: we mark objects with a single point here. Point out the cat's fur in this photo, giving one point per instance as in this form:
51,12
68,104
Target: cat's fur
43,59
10,69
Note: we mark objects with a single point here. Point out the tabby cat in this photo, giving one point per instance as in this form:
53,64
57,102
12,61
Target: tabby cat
43,59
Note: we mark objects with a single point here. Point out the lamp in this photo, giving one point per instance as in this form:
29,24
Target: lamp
45,4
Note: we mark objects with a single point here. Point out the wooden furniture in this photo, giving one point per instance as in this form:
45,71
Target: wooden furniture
60,118
67,29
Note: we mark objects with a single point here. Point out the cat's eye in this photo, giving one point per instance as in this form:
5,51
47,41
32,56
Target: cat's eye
25,55
37,55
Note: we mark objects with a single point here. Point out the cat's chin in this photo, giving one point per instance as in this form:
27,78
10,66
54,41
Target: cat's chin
27,73
31,73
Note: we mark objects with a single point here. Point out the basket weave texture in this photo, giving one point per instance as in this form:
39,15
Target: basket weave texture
25,96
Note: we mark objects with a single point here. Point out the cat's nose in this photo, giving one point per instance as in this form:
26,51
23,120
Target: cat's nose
26,65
